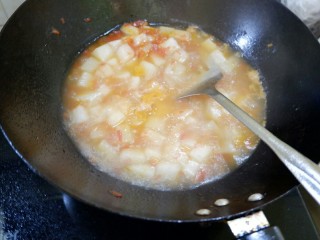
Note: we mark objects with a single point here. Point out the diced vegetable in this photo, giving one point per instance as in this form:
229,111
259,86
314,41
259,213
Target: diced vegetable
141,38
180,55
201,153
155,123
209,45
133,155
191,169
217,58
214,110
115,44
125,53
108,151
153,153
79,115
129,30
167,171
149,70
154,137
97,133
90,64
171,44
113,62
144,171
85,79
176,33
135,82
158,61
104,71
127,135
89,96
175,70
103,52
114,116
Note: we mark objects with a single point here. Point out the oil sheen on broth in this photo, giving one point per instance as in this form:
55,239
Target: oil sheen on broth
120,107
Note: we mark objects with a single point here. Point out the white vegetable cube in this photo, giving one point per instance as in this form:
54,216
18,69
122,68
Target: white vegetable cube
125,53
79,115
108,151
122,104
105,146
179,69
104,90
180,34
227,147
167,171
201,153
173,74
188,142
253,75
209,45
153,153
149,69
167,30
214,71
129,30
90,97
114,116
233,61
141,38
155,123
191,169
180,55
85,79
170,43
124,76
144,171
214,110
90,65
154,137
103,52
133,155
96,113
127,135
135,82
96,95
115,44
217,57
96,133
114,63
105,71
158,61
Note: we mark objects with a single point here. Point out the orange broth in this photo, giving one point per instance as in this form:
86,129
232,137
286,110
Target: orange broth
120,106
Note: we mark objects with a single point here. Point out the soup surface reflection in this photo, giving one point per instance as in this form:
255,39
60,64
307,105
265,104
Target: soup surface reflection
120,106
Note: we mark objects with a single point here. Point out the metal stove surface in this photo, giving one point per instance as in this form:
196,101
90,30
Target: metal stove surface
30,208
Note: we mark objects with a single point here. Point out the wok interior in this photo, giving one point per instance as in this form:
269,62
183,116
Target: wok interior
35,65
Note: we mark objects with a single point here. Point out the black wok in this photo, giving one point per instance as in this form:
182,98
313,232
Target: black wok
34,63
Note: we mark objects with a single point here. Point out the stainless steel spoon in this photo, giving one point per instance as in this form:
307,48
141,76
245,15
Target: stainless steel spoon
306,171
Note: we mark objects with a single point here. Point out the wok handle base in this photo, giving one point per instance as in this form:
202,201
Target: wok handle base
273,233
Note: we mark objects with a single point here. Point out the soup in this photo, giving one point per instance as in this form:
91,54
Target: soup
120,106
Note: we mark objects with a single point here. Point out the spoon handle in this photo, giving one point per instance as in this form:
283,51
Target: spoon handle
306,171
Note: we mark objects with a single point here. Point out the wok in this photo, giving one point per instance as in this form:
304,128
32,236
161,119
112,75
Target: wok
34,64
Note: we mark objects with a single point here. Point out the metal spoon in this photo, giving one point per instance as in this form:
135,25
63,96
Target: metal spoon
306,171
